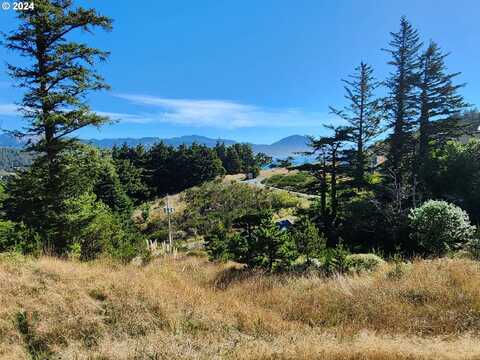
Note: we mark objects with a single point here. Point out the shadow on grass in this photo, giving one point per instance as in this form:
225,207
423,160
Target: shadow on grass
235,275
36,347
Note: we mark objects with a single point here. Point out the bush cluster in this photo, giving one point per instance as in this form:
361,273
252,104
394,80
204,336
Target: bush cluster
439,227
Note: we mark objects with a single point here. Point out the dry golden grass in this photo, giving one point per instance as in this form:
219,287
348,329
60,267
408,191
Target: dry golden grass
188,308
275,171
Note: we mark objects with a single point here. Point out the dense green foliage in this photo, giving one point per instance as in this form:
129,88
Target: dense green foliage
454,175
217,205
239,158
365,204
164,169
308,241
257,242
56,76
94,206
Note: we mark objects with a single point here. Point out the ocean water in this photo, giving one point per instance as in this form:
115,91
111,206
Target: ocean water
297,160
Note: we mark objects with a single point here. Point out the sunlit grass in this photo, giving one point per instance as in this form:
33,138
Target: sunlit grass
188,308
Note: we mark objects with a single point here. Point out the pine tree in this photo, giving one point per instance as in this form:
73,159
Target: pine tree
330,150
271,244
309,242
439,97
109,189
56,77
402,99
221,151
203,164
363,114
233,162
133,180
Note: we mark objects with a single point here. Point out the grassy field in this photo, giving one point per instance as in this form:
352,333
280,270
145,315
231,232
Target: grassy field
293,181
188,308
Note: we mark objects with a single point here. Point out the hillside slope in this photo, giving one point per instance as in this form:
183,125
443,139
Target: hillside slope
188,308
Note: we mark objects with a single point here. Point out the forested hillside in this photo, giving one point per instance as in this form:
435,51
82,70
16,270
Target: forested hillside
12,160
282,148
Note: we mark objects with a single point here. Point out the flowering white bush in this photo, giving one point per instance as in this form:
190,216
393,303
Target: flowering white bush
439,227
363,262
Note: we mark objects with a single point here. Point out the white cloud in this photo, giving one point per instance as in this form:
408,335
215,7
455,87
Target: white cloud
124,117
217,113
204,113
9,110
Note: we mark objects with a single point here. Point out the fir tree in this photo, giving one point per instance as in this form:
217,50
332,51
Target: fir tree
330,151
363,114
402,99
56,77
439,97
233,162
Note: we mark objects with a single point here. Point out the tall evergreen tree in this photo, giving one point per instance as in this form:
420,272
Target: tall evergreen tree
439,97
363,114
108,188
133,180
330,150
56,77
402,98
157,165
233,162
221,151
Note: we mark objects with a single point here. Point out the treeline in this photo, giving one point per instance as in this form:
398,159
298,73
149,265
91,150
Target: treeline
365,205
164,169
100,189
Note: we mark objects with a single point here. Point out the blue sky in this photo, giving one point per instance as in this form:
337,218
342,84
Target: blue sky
250,70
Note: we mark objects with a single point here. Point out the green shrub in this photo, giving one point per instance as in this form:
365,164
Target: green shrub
334,260
309,242
283,200
75,251
255,240
439,227
363,262
19,238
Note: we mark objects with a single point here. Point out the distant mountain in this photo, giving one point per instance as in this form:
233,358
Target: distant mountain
285,147
150,141
12,159
10,141
282,148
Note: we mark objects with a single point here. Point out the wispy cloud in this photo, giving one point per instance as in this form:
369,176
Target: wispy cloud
9,110
216,113
125,117
203,113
